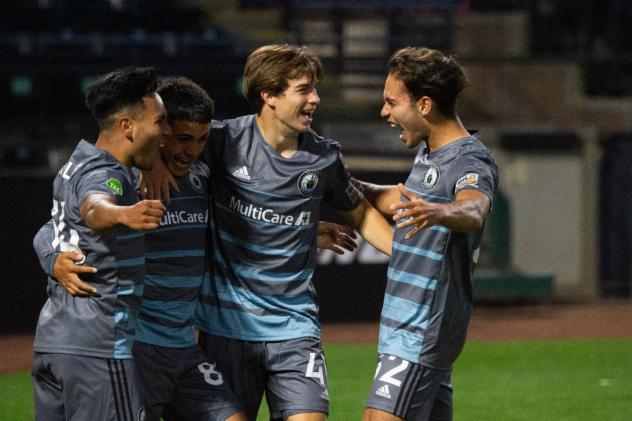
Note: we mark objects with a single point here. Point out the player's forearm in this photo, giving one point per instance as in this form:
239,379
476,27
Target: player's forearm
372,226
100,213
463,215
43,245
380,197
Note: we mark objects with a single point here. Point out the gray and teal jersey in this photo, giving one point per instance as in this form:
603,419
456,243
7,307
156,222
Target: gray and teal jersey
175,265
101,325
264,217
428,296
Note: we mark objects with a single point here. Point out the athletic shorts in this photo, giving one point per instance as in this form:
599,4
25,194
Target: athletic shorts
181,384
292,373
77,388
411,391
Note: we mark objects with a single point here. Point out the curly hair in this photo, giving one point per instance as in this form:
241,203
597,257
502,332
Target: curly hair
185,100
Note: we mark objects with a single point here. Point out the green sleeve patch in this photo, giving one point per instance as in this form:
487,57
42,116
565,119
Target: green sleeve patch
115,185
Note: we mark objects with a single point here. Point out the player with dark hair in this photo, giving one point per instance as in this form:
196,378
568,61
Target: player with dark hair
177,380
259,315
82,367
439,219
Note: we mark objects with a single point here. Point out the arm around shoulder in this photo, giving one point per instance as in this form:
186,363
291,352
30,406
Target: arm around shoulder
371,225
379,196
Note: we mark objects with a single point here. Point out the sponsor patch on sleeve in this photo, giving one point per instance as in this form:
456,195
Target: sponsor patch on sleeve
470,179
115,186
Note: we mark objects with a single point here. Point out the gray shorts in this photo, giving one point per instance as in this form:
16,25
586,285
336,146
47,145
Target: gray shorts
292,373
411,391
181,384
76,387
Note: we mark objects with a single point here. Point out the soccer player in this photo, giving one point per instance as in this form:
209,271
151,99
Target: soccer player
82,367
177,381
439,220
259,315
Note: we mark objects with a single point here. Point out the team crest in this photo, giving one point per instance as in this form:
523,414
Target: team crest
431,177
195,181
307,182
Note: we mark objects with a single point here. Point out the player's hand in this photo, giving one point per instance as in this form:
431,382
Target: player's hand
144,215
67,271
335,237
415,212
156,183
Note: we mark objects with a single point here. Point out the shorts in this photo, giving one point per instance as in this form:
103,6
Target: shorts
77,387
181,384
292,373
411,391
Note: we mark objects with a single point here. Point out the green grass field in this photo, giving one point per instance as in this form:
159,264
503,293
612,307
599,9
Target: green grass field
584,380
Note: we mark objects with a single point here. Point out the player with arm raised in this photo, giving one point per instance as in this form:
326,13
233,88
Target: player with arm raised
440,213
259,315
82,363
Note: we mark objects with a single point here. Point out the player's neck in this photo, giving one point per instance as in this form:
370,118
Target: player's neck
115,147
279,137
446,132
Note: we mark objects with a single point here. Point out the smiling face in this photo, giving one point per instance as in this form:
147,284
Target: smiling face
149,130
400,110
294,107
185,145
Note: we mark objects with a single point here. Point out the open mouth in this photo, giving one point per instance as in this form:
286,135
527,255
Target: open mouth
397,126
183,162
308,113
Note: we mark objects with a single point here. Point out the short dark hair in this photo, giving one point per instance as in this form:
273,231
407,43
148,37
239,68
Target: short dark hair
269,68
428,72
185,100
119,89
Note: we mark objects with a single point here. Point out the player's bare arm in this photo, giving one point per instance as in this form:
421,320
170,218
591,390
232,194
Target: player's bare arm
335,237
156,184
380,197
466,213
67,271
372,226
100,211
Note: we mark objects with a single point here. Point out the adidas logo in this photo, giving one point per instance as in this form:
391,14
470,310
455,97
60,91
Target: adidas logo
384,392
325,395
242,173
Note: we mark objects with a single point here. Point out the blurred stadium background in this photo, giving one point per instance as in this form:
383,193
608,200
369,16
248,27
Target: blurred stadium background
551,94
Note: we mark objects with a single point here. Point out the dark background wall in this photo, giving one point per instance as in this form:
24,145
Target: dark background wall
25,207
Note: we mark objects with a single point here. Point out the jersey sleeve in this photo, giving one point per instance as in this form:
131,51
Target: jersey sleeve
43,245
342,194
104,180
476,172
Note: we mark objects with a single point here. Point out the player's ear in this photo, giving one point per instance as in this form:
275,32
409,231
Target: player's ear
268,98
424,105
126,126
